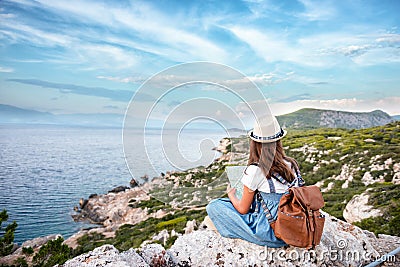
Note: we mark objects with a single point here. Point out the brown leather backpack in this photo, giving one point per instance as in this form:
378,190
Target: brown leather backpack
299,221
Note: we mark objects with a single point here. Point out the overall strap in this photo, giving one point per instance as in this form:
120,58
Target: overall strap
267,213
271,185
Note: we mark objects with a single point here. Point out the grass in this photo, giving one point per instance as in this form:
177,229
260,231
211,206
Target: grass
132,236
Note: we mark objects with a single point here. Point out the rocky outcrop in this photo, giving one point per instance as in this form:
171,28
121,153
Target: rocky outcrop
223,145
110,208
358,209
338,237
113,210
108,255
35,244
118,189
342,244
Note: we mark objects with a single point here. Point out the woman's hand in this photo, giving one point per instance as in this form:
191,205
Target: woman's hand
241,205
231,192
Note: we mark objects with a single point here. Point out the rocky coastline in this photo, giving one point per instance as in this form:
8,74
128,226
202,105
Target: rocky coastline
181,240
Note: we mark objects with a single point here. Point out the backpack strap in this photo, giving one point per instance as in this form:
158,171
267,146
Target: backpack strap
299,179
278,177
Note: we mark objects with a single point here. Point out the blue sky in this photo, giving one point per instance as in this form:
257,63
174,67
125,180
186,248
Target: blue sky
69,56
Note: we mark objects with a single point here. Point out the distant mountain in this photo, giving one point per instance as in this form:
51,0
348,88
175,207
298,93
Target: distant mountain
396,117
12,114
309,118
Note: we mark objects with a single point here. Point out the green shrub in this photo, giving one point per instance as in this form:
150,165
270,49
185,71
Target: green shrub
27,250
20,262
152,204
7,236
172,223
89,242
52,253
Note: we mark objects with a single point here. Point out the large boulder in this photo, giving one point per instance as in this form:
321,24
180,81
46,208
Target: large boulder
109,256
342,244
358,209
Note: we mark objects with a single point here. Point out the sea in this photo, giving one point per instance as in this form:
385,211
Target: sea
46,169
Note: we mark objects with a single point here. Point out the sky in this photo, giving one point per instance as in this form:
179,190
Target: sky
70,56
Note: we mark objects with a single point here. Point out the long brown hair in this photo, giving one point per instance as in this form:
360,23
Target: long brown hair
271,158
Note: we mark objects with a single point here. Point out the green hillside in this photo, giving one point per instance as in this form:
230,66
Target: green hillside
309,118
336,159
334,155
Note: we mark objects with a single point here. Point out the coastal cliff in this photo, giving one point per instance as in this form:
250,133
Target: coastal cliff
329,158
164,220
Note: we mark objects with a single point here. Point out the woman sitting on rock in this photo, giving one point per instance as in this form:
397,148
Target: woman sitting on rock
245,218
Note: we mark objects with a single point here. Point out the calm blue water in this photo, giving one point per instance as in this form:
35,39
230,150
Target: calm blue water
45,170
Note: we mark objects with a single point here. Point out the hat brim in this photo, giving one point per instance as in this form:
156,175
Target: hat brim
267,140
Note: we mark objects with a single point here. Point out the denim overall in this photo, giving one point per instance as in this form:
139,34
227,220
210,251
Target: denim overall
253,226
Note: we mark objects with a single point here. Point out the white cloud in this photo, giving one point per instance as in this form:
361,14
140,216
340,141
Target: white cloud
390,38
105,56
153,27
318,10
268,46
31,34
6,69
122,79
321,50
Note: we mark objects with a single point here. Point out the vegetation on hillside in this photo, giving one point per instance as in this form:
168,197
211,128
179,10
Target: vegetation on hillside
52,253
336,159
132,236
310,118
7,234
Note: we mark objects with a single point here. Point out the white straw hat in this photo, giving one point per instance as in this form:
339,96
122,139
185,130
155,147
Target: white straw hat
267,130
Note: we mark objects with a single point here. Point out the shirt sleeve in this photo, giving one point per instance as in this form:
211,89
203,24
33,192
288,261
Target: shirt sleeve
250,176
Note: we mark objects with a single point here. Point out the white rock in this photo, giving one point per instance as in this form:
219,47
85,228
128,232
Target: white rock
39,241
346,173
396,167
388,162
190,226
396,178
319,183
329,187
155,255
368,179
338,237
107,255
375,158
316,168
174,233
162,236
358,209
